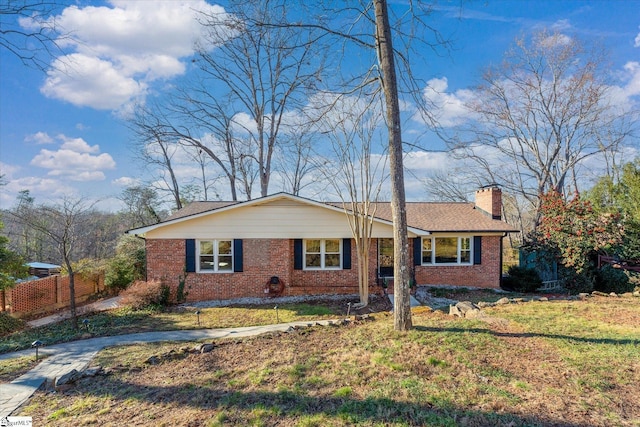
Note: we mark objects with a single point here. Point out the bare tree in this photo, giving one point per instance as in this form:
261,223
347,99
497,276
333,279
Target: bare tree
264,66
355,171
296,166
142,206
63,226
541,115
156,149
388,82
365,25
29,31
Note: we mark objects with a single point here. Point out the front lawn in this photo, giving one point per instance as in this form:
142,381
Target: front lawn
125,320
564,363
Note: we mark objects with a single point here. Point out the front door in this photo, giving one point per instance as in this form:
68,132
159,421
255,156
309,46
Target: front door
385,258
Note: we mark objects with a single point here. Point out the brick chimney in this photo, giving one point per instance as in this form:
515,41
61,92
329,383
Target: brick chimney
489,201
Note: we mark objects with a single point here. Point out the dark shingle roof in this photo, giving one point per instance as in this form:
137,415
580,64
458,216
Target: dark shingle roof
439,217
427,216
195,208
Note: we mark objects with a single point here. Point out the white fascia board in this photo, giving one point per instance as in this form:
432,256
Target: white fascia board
263,200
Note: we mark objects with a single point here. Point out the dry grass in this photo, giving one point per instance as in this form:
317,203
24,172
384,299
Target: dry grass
11,369
551,363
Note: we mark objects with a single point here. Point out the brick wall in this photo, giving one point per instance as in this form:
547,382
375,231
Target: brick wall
490,201
484,275
264,258
50,293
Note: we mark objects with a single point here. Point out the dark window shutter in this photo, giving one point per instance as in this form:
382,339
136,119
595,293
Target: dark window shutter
297,254
346,254
190,259
417,251
237,255
477,249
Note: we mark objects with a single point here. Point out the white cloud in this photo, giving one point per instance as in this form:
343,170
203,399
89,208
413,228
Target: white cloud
632,69
624,96
78,144
448,108
637,41
561,25
119,49
40,188
126,181
75,160
39,138
243,124
91,81
424,160
8,170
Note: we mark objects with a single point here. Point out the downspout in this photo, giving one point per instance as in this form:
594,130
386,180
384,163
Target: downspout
501,259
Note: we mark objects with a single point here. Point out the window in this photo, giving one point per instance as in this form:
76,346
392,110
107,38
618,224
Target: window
322,254
215,256
446,250
385,257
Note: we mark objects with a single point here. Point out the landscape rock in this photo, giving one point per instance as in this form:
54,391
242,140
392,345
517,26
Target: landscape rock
92,372
454,311
584,295
484,304
543,299
636,294
464,309
206,348
68,378
613,294
203,348
474,314
153,360
627,295
600,294
503,300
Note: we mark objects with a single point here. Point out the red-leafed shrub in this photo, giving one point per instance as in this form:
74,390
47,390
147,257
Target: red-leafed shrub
141,294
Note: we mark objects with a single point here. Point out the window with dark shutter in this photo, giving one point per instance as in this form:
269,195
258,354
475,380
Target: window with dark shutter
346,254
190,255
237,255
477,249
297,254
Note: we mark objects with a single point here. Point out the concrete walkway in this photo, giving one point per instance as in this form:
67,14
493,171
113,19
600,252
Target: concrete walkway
65,357
94,307
412,301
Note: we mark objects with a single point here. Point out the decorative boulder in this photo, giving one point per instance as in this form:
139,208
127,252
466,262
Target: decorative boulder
68,378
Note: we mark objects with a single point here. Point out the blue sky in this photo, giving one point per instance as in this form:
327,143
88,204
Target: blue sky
64,133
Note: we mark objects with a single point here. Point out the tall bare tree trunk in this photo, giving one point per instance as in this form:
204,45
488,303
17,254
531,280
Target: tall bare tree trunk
401,266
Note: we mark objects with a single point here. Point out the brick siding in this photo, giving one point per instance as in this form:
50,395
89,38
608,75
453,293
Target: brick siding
490,201
485,275
264,258
50,293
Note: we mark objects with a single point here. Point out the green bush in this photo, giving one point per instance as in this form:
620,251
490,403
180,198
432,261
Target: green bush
141,295
127,266
119,274
577,283
610,279
521,279
9,324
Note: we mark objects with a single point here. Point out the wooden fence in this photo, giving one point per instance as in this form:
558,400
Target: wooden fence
50,293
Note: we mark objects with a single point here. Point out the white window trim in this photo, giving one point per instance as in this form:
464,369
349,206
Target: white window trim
322,255
459,251
215,256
